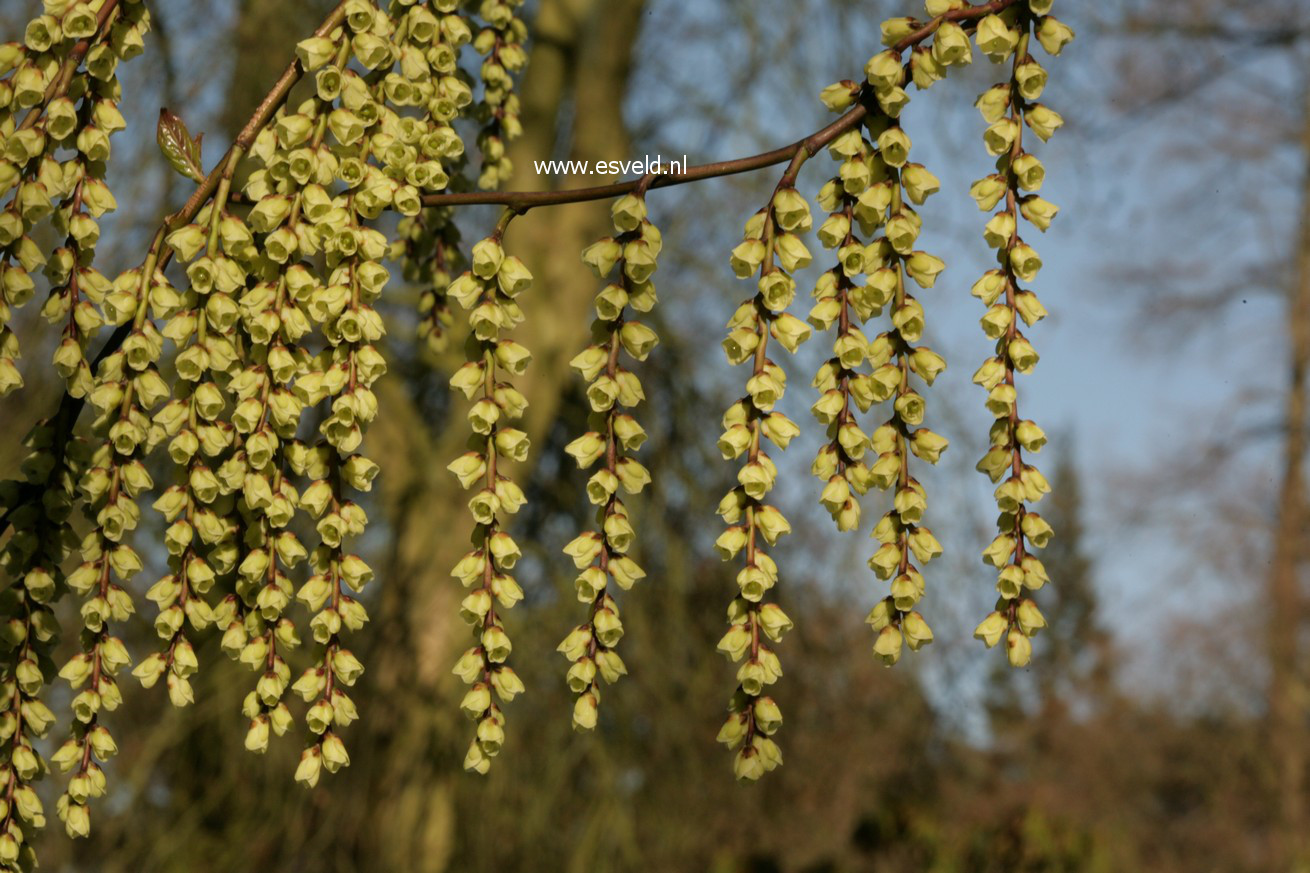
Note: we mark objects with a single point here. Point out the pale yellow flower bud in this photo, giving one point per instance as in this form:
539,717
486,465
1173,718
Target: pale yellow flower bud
924,268
790,208
1029,617
1043,121
1025,261
1018,648
991,629
884,71
951,44
995,38
487,257
916,631
894,146
998,552
1000,136
887,645
1054,35
1038,211
896,29
771,524
602,256
839,96
1030,77
918,182
628,212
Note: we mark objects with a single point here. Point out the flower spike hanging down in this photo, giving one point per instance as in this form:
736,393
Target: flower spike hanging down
431,258
285,299
501,42
773,246
489,293
1008,108
872,192
602,555
199,537
844,304
33,557
128,384
331,166
341,379
890,260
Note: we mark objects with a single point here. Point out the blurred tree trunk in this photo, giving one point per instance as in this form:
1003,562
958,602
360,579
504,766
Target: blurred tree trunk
262,37
582,61
1286,689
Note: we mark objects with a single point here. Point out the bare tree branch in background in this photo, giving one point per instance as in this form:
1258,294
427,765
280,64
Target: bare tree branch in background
1196,53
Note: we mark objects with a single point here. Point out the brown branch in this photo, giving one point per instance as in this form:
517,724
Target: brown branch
269,105
967,13
522,201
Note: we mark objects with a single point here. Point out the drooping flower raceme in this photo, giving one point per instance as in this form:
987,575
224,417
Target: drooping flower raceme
500,42
842,305
1008,108
894,356
772,245
489,294
431,257
40,508
128,385
601,555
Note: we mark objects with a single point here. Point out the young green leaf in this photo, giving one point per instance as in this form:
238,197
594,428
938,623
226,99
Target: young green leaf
177,145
